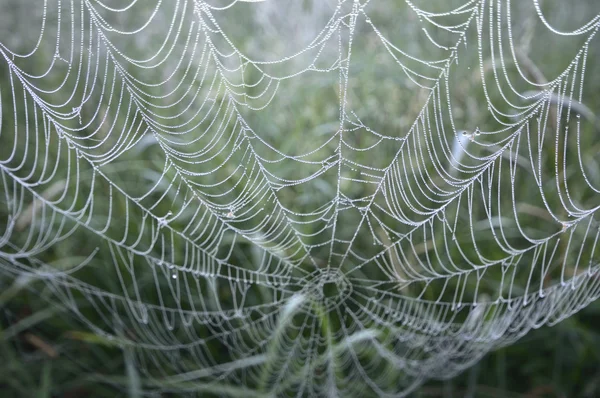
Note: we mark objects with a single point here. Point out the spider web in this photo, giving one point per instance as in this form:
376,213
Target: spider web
334,198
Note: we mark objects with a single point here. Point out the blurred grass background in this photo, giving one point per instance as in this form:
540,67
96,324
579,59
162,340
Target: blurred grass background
46,353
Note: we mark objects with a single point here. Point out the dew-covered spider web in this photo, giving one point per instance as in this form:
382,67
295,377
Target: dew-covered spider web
302,198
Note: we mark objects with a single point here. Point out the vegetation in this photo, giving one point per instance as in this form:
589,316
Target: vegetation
48,352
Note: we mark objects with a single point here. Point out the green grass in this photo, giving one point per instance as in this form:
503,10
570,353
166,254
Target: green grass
48,352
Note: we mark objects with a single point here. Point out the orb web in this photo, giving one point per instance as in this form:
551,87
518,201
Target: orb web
318,198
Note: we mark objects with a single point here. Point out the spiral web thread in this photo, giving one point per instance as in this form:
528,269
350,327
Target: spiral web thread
229,254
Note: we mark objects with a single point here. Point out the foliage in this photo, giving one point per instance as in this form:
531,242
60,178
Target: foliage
49,353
